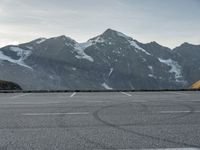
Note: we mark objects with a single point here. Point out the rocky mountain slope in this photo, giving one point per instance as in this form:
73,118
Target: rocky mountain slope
111,60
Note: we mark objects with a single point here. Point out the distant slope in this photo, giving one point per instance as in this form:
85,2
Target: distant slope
196,85
111,60
7,85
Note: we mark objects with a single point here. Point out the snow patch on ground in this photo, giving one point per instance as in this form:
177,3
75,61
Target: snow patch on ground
79,48
133,43
175,68
106,86
20,52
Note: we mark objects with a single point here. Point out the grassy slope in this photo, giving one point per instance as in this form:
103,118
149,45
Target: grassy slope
196,85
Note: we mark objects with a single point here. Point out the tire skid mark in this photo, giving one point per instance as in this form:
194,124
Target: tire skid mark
61,124
191,111
97,117
97,144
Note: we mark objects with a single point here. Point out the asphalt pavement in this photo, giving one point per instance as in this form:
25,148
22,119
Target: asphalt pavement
101,120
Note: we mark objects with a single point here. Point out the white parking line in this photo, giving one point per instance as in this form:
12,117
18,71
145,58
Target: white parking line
47,114
88,101
139,101
172,112
170,149
127,94
158,149
196,100
161,149
73,94
21,95
179,93
182,111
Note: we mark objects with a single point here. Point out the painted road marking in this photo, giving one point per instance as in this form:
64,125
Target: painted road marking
21,95
159,149
86,101
51,102
139,101
195,100
48,114
179,93
169,149
182,111
73,94
127,94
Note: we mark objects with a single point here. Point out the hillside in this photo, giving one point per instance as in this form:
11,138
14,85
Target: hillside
196,85
111,60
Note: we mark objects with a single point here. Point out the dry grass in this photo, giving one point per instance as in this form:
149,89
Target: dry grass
196,85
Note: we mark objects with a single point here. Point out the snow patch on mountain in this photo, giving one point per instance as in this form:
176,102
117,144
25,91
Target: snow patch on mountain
98,39
150,68
106,86
84,45
79,48
20,61
132,42
74,69
29,47
151,75
23,54
111,71
39,41
175,68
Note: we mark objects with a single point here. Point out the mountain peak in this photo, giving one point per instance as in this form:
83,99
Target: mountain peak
186,44
63,38
105,36
109,30
154,43
110,33
113,34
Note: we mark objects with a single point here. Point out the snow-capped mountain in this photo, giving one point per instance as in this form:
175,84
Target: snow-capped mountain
111,60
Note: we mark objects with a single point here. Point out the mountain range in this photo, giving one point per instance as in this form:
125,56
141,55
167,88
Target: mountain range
111,60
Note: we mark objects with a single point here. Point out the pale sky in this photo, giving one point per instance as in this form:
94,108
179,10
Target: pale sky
169,22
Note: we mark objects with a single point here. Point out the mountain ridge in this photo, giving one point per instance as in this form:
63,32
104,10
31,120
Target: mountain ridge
111,60
109,29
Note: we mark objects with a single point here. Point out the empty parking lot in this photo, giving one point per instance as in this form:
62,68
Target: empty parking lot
101,120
